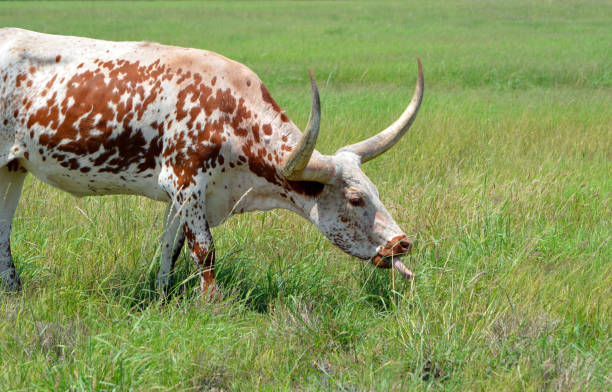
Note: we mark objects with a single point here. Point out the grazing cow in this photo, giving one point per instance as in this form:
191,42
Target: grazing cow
184,126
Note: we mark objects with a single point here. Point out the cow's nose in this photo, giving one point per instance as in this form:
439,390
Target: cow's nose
401,245
406,245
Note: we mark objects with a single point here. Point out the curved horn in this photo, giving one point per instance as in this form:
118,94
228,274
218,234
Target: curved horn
301,164
377,144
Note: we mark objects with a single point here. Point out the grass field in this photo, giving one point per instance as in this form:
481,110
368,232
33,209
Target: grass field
505,180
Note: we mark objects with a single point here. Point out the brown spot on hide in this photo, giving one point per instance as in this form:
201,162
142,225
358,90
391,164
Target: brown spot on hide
265,95
205,258
84,124
267,129
199,150
87,122
261,167
58,58
20,78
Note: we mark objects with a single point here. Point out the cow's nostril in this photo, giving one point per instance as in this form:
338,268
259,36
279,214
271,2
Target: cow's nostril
406,245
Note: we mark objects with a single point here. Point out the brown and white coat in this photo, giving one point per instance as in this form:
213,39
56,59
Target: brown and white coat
184,126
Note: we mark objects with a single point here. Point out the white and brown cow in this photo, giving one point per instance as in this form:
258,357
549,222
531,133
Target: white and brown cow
184,126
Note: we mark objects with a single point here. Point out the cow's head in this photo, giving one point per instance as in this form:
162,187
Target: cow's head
348,210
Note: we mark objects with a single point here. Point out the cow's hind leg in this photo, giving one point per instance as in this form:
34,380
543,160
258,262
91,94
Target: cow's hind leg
11,182
173,239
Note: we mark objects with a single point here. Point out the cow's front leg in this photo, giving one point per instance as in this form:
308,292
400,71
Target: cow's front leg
173,239
190,202
202,250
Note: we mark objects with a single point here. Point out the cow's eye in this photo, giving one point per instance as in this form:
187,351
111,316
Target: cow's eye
356,201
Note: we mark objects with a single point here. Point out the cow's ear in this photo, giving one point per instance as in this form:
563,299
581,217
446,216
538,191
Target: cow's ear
308,188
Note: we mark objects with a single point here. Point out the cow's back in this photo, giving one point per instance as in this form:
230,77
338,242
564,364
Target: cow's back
92,116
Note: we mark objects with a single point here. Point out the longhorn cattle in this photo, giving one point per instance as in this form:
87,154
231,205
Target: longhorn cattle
188,127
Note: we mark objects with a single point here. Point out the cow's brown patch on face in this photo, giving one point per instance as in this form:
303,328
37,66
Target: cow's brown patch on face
58,58
395,247
381,262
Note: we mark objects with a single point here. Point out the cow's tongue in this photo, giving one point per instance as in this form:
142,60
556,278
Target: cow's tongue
401,268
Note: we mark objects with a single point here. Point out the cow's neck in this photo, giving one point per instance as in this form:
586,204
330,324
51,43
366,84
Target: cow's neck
254,180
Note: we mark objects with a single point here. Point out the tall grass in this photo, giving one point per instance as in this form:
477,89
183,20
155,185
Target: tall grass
504,180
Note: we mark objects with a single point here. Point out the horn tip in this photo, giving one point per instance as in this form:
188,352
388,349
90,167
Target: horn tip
315,91
312,81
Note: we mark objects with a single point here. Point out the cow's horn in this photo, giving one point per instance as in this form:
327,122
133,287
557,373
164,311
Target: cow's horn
376,145
301,164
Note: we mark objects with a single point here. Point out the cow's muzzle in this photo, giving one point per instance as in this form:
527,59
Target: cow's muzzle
390,255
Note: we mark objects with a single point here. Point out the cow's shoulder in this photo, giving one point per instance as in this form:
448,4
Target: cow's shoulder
205,63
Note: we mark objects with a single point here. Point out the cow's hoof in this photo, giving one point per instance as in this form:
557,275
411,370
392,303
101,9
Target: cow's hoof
211,293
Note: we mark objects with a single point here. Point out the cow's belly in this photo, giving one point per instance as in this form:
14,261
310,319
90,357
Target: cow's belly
96,182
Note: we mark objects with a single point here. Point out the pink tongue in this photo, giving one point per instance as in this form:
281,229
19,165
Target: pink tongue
401,268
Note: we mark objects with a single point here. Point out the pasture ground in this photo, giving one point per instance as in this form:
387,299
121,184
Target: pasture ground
505,180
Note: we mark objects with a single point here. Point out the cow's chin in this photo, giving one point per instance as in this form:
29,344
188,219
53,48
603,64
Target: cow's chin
395,261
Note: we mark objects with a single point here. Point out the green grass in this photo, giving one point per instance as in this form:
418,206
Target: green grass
505,180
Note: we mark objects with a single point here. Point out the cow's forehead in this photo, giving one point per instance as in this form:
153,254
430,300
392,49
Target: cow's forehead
348,167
